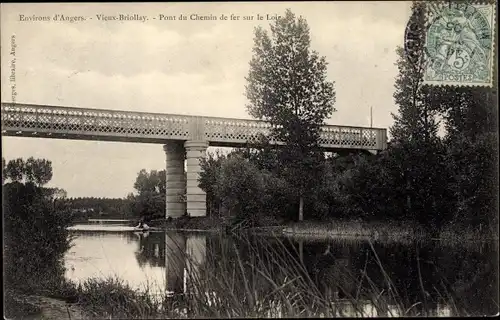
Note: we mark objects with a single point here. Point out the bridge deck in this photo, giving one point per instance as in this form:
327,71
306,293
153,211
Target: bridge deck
43,121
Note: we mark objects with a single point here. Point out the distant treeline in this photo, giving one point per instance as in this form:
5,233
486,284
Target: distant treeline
94,208
147,202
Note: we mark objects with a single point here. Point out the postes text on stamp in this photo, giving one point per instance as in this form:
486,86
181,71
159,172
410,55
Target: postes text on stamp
459,44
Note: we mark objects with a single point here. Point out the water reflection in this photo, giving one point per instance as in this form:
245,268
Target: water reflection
111,254
196,249
420,274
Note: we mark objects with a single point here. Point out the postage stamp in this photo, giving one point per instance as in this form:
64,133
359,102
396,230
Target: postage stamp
459,44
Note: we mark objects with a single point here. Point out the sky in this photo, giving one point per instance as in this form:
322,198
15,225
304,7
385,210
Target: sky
189,67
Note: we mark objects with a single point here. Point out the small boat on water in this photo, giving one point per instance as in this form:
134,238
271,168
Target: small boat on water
142,227
112,228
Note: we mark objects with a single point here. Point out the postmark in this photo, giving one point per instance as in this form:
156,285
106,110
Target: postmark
459,44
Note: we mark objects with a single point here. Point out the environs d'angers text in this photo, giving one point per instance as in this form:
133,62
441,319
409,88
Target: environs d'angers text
137,17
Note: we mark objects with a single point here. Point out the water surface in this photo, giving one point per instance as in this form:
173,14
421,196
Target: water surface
467,272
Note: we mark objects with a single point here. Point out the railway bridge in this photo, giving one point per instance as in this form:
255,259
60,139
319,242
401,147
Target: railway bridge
184,138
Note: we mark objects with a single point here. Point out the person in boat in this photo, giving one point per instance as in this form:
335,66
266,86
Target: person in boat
141,221
142,225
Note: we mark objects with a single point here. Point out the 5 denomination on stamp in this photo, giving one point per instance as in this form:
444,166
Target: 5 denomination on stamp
459,44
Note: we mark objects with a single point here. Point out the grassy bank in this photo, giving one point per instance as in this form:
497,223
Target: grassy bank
388,231
113,298
334,228
45,297
373,230
190,224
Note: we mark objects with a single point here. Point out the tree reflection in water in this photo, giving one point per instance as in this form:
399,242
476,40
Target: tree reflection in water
426,278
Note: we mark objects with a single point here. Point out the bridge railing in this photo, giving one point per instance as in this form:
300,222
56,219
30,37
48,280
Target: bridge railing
83,123
225,130
55,119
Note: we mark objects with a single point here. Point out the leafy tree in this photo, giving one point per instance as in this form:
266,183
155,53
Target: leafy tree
241,189
415,121
471,123
444,179
35,234
42,171
262,153
468,112
29,168
211,166
38,171
15,170
145,182
149,205
471,116
474,183
219,178
151,189
56,193
287,87
417,153
153,181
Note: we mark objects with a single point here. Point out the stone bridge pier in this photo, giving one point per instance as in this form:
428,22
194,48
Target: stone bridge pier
181,182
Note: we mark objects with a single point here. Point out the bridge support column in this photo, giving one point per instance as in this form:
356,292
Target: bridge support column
196,198
175,179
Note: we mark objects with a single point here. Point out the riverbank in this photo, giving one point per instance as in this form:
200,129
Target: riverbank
206,224
28,307
333,228
93,299
382,230
113,298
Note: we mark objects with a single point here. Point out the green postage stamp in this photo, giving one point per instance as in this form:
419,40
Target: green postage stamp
459,44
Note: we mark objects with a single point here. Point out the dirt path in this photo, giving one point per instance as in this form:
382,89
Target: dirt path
53,309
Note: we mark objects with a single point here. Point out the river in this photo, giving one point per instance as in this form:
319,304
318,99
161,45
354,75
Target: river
443,277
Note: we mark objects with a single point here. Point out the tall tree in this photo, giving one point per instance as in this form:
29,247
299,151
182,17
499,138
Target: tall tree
471,123
288,87
416,120
417,152
470,116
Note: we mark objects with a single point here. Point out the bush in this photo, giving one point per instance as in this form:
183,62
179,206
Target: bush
35,238
112,297
241,189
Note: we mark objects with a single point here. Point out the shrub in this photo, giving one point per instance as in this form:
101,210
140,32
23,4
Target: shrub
241,188
35,238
